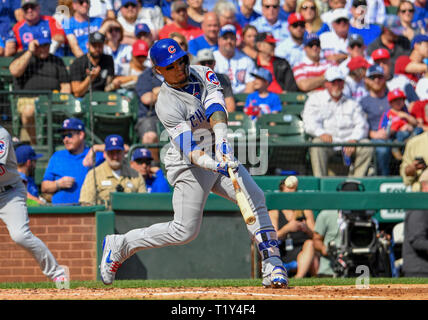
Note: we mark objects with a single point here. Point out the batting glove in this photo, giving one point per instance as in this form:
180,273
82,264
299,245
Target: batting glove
223,166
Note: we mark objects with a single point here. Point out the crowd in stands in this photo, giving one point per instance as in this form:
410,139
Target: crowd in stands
363,65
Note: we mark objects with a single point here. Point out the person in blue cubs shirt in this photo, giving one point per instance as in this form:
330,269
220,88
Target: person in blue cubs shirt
261,101
77,28
65,172
141,161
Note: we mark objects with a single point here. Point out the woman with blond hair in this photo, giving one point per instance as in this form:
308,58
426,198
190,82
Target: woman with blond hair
310,11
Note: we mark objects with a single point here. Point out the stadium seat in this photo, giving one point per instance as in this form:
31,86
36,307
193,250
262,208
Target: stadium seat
68,61
295,109
293,98
6,78
62,106
283,128
111,114
391,10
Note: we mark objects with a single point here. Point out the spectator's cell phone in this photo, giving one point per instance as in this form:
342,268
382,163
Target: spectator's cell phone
420,160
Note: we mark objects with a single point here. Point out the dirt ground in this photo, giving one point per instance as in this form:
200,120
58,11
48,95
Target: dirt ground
374,292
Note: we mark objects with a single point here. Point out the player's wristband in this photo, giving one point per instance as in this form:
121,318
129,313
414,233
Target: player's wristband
220,131
206,162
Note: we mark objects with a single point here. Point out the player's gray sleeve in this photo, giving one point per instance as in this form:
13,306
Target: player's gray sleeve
5,144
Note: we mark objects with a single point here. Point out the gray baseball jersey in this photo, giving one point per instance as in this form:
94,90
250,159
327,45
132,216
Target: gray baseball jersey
182,111
9,174
13,210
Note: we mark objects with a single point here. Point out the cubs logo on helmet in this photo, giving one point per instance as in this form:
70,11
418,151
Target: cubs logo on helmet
171,49
212,77
2,147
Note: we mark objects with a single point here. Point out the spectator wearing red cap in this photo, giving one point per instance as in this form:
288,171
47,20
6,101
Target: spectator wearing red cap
355,87
281,71
131,71
291,48
382,57
397,121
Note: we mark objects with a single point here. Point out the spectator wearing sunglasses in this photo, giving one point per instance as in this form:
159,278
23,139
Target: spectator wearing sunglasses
359,23
141,161
79,26
128,18
291,48
334,43
270,22
311,13
65,172
34,24
406,13
205,57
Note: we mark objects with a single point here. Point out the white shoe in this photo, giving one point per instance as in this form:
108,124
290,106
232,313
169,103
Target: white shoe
277,279
109,262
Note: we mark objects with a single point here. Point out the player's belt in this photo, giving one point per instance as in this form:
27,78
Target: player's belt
5,188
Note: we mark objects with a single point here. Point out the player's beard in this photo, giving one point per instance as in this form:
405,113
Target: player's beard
182,83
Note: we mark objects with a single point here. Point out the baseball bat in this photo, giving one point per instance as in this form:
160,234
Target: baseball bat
241,199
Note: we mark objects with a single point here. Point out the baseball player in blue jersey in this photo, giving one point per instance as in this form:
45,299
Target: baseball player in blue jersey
13,211
191,107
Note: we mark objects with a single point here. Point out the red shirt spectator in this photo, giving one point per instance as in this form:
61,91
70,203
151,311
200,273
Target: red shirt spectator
180,23
420,111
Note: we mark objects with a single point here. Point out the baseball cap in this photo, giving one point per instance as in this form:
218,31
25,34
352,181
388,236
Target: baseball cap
374,70
265,37
26,152
396,94
355,38
262,73
177,5
141,153
228,28
114,142
309,38
73,124
43,38
140,48
418,39
422,89
357,62
393,23
141,27
295,17
96,37
334,73
125,2
380,54
204,55
24,2
340,13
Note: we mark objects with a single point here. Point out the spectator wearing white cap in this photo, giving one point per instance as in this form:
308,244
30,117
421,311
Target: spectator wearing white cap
334,43
141,161
205,57
331,117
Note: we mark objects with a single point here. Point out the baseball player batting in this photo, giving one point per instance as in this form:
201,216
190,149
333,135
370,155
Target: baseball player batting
191,107
13,211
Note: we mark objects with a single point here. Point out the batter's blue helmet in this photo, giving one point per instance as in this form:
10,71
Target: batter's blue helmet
166,51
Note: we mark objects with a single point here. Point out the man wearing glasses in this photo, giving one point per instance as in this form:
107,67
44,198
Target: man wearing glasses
291,48
65,172
34,23
141,161
128,18
79,26
270,22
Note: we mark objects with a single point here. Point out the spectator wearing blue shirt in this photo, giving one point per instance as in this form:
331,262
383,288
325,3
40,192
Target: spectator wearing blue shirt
261,101
79,26
141,161
8,16
359,23
209,39
270,22
65,172
287,8
246,13
26,158
291,48
421,10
